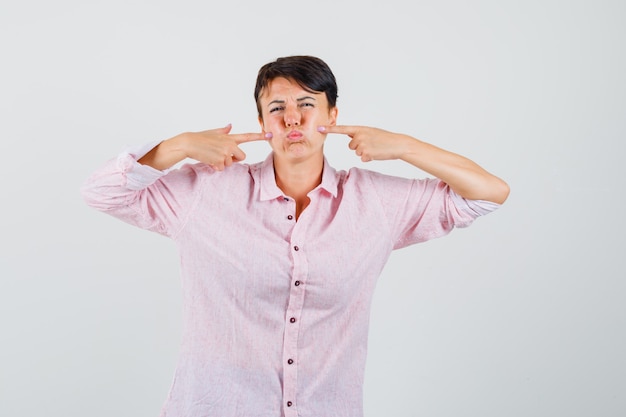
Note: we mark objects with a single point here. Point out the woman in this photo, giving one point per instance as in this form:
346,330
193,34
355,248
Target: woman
280,258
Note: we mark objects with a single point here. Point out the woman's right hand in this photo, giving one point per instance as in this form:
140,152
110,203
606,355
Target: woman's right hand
216,148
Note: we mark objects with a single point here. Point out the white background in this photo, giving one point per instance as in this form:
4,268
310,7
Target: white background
522,314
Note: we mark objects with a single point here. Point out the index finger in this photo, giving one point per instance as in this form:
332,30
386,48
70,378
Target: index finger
249,137
340,129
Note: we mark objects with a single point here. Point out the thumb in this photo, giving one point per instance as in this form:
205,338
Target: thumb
226,129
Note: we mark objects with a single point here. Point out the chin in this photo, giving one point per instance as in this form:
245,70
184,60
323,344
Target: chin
297,149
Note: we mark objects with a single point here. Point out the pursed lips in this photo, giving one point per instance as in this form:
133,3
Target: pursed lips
294,135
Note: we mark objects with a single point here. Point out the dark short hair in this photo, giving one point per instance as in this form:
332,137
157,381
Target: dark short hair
311,73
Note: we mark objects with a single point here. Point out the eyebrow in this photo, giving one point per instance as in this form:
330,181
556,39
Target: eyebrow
298,100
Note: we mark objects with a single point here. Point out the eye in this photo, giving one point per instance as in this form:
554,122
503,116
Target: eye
277,108
306,104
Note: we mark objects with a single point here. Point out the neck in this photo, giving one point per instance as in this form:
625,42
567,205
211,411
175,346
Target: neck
297,179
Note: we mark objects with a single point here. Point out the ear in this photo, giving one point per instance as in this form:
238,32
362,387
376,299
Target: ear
332,114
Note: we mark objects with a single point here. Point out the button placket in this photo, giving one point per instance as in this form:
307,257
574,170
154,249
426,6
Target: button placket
292,320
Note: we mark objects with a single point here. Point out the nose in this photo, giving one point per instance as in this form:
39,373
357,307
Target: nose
292,117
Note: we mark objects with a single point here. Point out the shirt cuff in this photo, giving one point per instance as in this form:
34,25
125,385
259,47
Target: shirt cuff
473,207
138,176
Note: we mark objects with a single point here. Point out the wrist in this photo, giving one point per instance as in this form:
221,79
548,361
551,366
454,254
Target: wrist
165,154
177,147
409,148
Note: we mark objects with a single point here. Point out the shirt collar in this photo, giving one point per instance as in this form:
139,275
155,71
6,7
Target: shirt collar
269,190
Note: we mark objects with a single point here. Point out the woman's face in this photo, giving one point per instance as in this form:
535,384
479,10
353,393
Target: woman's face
293,115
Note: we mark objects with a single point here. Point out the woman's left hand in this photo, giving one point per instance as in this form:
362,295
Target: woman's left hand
464,176
371,143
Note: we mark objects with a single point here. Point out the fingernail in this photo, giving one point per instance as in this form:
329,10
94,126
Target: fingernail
268,135
321,129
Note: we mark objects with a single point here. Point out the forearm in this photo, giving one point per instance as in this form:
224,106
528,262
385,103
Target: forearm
166,154
464,176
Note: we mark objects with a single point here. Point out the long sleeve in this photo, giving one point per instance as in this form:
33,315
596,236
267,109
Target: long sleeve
418,210
141,195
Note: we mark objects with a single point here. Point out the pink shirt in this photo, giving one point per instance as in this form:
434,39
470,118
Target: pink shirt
276,311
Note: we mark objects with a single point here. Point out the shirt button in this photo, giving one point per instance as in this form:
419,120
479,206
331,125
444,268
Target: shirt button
296,283
290,217
292,320
296,248
289,403
290,361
